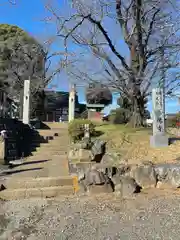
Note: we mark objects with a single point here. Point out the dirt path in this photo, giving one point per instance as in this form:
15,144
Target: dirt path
149,216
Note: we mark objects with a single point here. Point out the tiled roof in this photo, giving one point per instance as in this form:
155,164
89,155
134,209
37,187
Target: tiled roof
55,100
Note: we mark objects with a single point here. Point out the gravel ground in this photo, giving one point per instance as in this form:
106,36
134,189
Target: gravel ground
152,215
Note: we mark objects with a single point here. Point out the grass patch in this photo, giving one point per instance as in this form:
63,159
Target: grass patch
120,127
133,145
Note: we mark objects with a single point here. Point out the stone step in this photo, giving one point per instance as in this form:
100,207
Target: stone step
47,130
41,140
45,133
56,125
50,148
46,192
46,144
40,156
61,138
37,135
52,141
59,166
47,154
56,143
52,131
41,182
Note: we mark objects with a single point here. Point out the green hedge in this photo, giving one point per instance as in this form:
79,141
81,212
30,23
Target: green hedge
119,116
76,128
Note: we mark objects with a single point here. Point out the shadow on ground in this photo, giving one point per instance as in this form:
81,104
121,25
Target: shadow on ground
28,163
98,133
37,124
21,170
173,139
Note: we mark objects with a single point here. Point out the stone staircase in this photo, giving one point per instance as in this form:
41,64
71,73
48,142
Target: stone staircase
45,173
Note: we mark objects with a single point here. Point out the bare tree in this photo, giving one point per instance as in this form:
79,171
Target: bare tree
11,2
149,28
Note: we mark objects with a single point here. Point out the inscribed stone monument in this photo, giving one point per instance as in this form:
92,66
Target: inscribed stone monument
159,138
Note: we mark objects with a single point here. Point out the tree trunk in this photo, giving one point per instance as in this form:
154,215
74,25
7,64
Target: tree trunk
38,108
137,112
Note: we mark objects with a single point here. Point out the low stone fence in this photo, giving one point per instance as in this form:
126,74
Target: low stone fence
125,179
99,171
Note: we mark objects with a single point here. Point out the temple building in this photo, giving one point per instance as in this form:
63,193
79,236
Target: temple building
56,106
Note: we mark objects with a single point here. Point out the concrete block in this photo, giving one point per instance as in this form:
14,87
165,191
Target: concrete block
158,141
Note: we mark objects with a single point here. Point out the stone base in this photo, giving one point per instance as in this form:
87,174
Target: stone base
159,141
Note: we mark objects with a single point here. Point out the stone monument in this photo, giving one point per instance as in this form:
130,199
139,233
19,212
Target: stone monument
159,138
72,94
86,131
26,102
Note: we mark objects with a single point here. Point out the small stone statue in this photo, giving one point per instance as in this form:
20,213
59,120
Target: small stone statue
86,131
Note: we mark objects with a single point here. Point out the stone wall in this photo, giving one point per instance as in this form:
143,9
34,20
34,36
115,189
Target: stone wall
100,171
17,142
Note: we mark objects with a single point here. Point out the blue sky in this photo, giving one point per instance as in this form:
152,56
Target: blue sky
28,15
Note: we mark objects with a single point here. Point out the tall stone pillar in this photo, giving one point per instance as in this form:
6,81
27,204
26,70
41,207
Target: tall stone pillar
72,94
159,138
26,101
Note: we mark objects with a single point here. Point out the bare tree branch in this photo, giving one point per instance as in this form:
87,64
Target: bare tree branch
146,26
149,32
